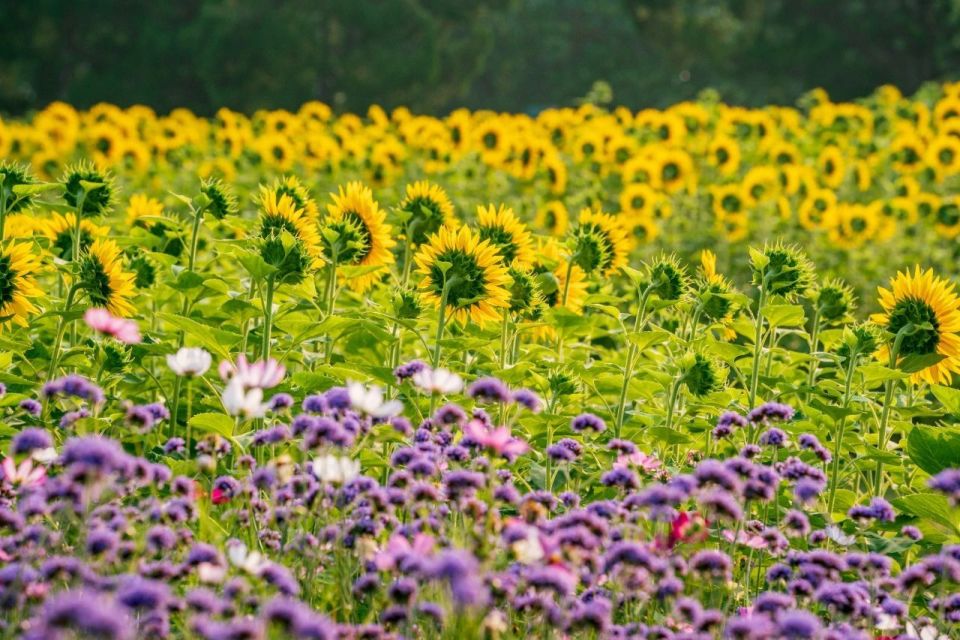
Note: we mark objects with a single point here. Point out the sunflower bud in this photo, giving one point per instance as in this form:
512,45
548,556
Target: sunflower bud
833,301
701,374
89,188
781,269
217,198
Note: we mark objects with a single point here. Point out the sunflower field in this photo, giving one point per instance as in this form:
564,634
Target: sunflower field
590,373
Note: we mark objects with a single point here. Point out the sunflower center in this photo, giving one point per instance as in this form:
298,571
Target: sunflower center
466,278
948,215
502,240
916,312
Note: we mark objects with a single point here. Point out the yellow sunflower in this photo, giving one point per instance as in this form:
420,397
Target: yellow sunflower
18,284
469,269
511,238
429,207
281,213
930,306
638,199
850,225
553,218
600,242
103,278
355,215
142,205
58,229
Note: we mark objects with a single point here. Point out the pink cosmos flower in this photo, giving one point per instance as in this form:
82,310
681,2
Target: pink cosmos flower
751,540
399,547
499,439
639,460
25,474
261,374
121,330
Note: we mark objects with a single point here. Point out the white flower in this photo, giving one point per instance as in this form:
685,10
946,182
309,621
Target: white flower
239,401
211,573
44,456
252,562
369,400
440,381
835,534
528,550
335,470
189,361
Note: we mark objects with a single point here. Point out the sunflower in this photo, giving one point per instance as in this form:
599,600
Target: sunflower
553,218
928,308
275,150
943,155
429,207
142,205
501,228
644,229
18,285
638,200
556,171
831,167
59,230
734,226
947,220
471,271
280,213
724,154
103,278
600,242
727,200
816,209
357,217
759,185
851,225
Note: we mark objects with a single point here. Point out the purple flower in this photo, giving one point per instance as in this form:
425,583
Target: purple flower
30,439
948,483
773,437
408,370
528,399
94,453
489,389
139,593
74,385
620,477
139,417
771,411
31,406
721,505
728,422
911,532
461,571
280,402
588,421
712,563
878,509
85,613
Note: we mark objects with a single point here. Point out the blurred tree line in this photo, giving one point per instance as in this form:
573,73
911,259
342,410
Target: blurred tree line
436,55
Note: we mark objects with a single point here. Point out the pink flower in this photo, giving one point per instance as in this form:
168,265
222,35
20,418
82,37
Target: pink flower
24,475
498,439
751,540
640,460
219,496
261,374
398,547
121,330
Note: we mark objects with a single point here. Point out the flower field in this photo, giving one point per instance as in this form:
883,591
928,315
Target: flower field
678,374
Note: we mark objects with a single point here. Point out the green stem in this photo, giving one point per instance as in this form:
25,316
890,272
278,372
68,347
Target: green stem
757,348
504,330
814,346
189,411
441,322
61,329
841,427
267,318
889,386
638,323
672,402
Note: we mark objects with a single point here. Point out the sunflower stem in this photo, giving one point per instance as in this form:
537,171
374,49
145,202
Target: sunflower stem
757,349
441,322
889,387
835,469
638,323
267,317
504,329
184,309
814,346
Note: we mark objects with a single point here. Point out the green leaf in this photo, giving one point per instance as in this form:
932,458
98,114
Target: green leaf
836,413
934,449
644,340
256,266
948,397
35,188
669,436
219,423
784,315
930,506
187,280
216,340
914,363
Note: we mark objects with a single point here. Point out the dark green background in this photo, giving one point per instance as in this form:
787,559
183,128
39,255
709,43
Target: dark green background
433,56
